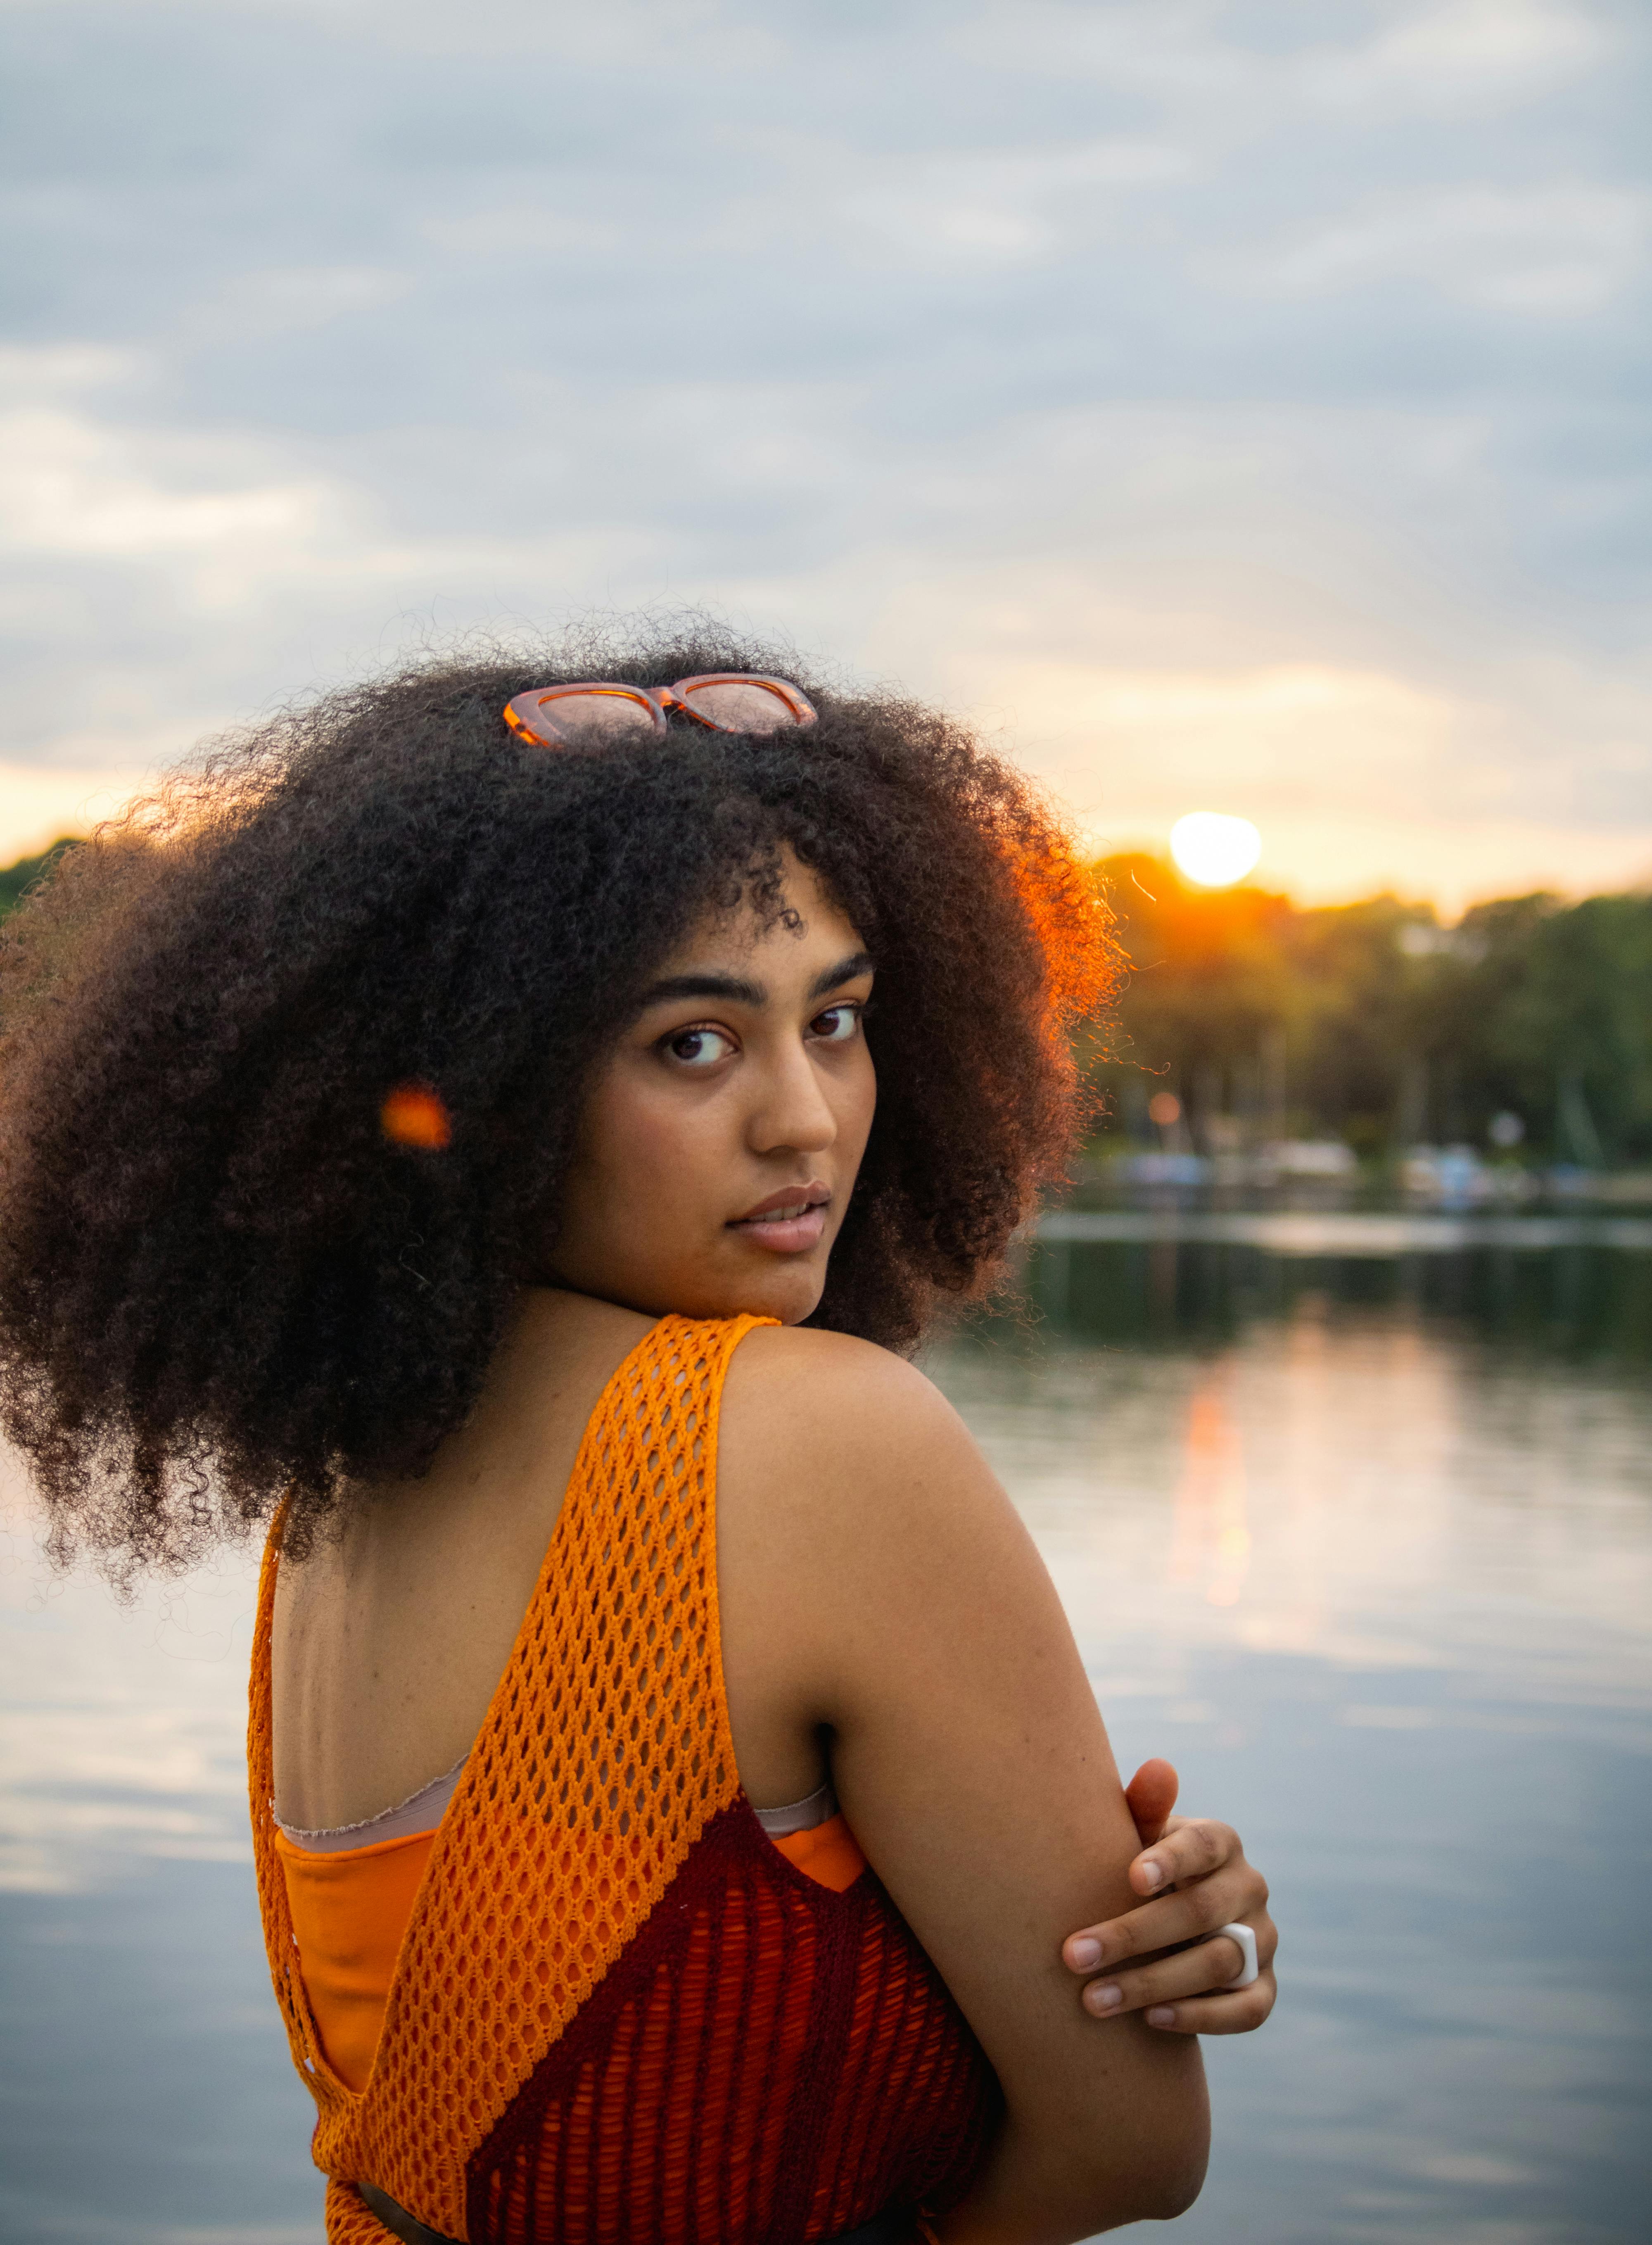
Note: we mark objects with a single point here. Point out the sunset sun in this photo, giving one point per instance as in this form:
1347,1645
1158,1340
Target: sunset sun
1213,849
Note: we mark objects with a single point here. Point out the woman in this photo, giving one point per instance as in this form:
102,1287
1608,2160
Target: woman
508,1128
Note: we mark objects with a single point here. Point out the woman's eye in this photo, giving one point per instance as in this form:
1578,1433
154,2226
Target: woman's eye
699,1048
837,1024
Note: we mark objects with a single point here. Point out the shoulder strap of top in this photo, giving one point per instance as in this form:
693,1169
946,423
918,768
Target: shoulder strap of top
605,1755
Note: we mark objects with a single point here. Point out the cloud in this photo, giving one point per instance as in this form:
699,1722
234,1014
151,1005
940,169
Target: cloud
1483,51
1001,204
1235,72
1565,248
69,487
263,304
1249,377
1272,734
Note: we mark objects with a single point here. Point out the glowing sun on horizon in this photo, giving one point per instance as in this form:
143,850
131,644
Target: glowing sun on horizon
1214,850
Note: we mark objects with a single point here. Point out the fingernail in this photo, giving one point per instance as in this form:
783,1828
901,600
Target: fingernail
1151,1875
1084,1955
1104,1996
1162,2015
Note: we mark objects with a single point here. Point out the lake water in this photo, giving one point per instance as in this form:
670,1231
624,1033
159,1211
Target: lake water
1355,1525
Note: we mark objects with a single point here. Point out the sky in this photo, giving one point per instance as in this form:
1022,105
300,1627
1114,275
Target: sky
1237,407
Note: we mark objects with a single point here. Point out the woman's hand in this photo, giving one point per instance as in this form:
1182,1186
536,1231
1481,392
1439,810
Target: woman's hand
1196,1870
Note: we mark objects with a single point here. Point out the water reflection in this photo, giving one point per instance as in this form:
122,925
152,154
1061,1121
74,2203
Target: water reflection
1358,1530
123,1734
1365,1545
147,2094
1585,1299
1212,1528
1309,1459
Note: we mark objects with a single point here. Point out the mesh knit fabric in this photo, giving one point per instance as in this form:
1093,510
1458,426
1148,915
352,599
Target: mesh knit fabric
618,2014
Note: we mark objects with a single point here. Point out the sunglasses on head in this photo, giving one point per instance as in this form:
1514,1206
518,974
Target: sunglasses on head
604,709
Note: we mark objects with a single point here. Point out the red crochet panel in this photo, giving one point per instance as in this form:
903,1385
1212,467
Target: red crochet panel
769,2063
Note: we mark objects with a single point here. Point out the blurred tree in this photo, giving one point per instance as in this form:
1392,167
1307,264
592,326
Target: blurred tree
1372,1022
1552,1010
16,879
1209,981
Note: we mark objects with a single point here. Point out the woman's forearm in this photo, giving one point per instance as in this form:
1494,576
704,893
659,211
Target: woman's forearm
1037,2188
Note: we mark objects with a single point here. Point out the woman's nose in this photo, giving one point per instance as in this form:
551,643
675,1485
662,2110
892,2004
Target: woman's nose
792,1109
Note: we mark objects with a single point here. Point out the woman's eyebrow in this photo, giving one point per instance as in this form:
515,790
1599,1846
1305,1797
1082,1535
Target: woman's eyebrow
741,992
733,987
858,962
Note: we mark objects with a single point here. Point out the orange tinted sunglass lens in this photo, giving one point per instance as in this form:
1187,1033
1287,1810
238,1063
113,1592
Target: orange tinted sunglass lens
552,716
740,705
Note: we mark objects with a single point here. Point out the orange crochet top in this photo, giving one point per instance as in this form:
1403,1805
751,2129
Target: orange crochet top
351,1906
619,2015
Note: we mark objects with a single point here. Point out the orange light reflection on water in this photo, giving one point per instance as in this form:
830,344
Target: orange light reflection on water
1211,1538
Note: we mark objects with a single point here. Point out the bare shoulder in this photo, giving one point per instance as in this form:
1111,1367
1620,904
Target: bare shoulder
863,1544
854,1435
851,1491
798,1360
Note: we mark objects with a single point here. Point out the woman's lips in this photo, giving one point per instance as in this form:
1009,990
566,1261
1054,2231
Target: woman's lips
788,1222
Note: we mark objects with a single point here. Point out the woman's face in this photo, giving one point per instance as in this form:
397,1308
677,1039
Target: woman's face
720,1137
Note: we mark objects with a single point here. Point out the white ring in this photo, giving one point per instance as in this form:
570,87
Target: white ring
1245,1941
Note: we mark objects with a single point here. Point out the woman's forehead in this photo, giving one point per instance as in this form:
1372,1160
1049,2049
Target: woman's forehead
793,934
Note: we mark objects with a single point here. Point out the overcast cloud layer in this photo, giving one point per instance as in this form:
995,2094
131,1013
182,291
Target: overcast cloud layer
1239,407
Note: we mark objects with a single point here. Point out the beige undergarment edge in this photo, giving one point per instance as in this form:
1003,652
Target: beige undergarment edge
422,1812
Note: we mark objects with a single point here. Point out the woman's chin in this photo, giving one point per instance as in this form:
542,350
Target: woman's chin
790,1294
752,1284
756,1282
789,1287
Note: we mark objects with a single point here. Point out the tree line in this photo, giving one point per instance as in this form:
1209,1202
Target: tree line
1528,1023
1371,1022
16,879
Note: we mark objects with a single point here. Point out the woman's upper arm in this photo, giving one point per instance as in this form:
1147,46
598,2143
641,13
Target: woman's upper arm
914,1619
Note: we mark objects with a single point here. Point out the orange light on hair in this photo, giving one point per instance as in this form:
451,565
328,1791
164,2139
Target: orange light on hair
413,1114
1083,965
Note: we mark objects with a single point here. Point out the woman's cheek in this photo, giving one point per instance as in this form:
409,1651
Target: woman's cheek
855,1115
673,1151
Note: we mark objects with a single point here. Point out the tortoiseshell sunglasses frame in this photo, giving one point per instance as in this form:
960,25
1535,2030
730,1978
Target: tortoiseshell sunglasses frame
526,716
